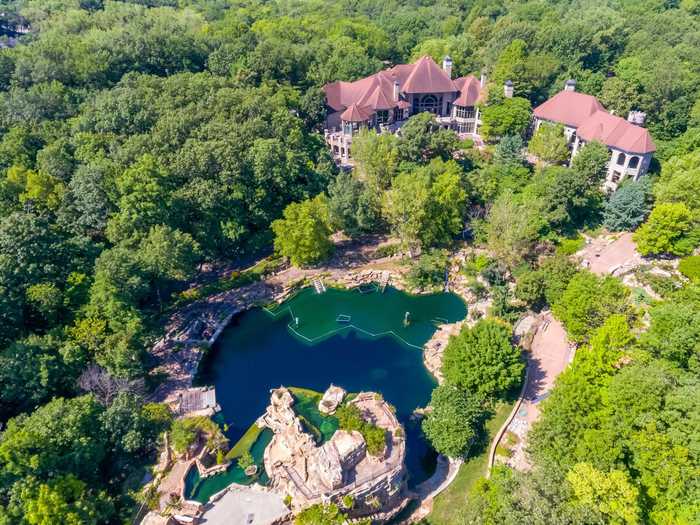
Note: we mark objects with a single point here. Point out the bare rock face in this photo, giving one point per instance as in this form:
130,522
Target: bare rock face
331,399
312,473
336,458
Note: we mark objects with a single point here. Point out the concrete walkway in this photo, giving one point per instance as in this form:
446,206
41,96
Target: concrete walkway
609,254
445,473
173,483
549,355
251,505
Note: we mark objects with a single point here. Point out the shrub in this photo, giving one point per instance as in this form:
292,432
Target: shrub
690,267
479,289
495,274
660,284
475,264
349,418
570,246
386,250
502,305
375,437
503,451
245,460
320,514
429,270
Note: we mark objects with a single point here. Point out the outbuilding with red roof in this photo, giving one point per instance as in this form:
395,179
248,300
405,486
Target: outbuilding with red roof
586,120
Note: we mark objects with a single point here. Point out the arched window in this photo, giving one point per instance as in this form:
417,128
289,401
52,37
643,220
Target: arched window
429,103
634,162
621,159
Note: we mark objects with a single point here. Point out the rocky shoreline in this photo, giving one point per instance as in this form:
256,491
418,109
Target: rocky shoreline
193,330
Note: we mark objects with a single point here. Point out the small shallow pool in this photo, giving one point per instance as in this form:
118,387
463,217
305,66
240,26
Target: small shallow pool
372,351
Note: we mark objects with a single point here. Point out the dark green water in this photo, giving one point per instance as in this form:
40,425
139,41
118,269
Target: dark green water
261,350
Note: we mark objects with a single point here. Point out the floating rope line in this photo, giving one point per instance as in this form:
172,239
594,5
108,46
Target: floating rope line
331,333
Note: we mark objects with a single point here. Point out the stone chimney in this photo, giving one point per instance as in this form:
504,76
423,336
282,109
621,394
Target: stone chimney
508,89
570,85
482,80
397,90
637,117
447,65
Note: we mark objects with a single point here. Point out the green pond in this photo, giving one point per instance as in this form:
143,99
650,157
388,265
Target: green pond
357,339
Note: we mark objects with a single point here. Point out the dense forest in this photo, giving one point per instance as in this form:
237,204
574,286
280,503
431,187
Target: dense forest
140,139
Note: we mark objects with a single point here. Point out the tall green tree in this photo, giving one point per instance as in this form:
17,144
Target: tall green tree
405,207
61,437
143,199
452,423
668,230
513,228
587,301
447,203
167,255
611,493
482,359
423,139
627,207
376,158
67,500
591,163
303,234
549,143
509,117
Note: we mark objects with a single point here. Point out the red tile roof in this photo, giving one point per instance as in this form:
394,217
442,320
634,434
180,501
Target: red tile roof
568,107
354,113
376,92
469,91
593,122
428,77
616,132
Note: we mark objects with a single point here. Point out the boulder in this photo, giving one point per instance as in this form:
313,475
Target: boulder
331,399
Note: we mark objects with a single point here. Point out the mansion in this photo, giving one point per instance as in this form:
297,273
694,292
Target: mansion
385,100
585,119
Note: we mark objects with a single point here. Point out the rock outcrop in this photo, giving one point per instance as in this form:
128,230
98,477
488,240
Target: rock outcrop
312,473
331,399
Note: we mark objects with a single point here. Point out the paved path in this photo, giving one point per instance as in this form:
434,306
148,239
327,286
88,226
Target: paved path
445,473
246,506
604,255
173,482
548,357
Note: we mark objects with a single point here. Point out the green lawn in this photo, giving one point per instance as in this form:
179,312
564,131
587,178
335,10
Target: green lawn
246,441
448,504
